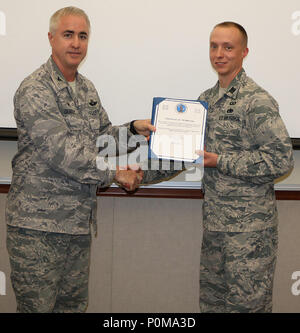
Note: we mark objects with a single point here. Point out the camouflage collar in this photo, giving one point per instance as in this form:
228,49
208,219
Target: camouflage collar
235,84
232,90
57,76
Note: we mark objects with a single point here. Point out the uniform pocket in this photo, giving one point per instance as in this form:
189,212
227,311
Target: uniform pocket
35,186
226,134
92,109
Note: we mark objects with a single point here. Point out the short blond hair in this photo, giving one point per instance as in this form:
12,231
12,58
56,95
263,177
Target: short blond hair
65,12
229,24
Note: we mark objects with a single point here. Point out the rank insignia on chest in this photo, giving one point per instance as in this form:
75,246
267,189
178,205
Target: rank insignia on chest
92,102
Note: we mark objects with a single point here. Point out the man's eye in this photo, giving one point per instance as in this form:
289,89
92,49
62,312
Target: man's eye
83,37
67,35
228,48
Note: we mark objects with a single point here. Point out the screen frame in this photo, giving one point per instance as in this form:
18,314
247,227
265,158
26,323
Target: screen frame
10,134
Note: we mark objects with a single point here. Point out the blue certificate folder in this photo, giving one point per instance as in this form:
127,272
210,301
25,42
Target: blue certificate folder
180,129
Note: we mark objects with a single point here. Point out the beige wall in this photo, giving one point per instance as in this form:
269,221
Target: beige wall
147,253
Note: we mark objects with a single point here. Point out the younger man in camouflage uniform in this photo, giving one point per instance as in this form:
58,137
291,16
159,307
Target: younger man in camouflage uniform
247,147
52,199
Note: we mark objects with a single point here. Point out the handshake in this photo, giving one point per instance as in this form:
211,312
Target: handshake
129,177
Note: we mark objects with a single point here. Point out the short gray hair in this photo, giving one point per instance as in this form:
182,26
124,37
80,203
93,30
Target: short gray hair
65,12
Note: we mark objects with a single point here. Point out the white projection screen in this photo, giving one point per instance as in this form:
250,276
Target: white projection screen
140,49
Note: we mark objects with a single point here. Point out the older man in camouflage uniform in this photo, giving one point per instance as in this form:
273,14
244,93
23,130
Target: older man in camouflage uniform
247,147
52,199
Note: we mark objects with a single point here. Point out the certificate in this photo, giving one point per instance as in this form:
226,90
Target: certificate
180,129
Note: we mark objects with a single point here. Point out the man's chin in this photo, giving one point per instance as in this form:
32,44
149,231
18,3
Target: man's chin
73,64
221,71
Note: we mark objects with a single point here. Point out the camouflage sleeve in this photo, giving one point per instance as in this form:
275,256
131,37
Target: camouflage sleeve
272,155
157,171
71,153
121,134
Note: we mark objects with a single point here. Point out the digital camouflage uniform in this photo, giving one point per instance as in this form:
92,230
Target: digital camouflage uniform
55,175
52,199
239,211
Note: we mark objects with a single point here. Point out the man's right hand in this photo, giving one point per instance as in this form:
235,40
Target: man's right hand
129,178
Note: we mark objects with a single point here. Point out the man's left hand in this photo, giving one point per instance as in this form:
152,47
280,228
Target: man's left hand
144,127
210,159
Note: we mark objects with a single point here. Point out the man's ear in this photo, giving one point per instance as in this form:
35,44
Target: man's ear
245,52
50,37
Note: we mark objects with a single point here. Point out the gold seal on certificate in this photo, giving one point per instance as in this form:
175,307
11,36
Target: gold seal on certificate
180,128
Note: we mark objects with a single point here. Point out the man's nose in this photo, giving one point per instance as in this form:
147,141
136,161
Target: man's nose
219,52
75,42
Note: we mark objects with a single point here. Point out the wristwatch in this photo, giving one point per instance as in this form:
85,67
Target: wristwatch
132,128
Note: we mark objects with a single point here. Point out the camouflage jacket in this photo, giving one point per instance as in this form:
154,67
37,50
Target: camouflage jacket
245,129
55,174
